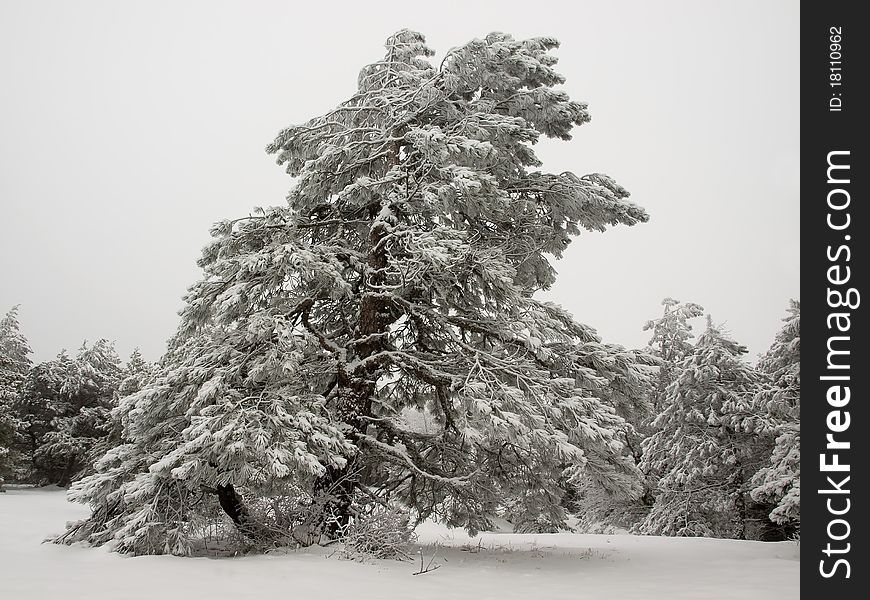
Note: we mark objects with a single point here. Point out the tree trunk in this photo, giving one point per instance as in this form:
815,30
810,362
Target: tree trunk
335,490
741,515
336,486
234,506
67,474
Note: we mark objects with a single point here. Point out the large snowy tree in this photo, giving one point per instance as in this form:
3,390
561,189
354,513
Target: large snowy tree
378,335
14,365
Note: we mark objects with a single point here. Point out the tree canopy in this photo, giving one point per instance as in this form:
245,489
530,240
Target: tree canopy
379,334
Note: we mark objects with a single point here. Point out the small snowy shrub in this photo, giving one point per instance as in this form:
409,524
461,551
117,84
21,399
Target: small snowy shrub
382,532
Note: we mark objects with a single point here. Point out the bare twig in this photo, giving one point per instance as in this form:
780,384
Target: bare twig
428,568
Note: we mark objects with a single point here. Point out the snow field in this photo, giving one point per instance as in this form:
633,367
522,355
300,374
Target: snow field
501,566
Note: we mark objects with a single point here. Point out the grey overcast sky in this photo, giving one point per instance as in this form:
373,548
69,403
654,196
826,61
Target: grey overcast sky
129,127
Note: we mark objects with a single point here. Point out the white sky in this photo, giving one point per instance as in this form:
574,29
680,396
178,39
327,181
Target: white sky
127,128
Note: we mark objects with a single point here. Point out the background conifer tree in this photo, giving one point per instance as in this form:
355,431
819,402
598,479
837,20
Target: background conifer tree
700,449
778,483
63,410
597,509
14,364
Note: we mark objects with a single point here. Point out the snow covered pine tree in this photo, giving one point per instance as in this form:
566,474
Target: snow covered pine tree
779,482
671,343
596,509
701,448
14,365
63,411
378,335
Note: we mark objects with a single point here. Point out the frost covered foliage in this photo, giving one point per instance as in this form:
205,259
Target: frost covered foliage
383,531
779,482
14,364
598,510
63,411
700,449
135,374
208,422
671,342
400,274
131,378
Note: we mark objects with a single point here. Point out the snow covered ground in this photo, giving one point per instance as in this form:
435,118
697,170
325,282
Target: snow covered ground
499,566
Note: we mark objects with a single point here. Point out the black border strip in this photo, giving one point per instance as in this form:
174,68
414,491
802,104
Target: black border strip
834,227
